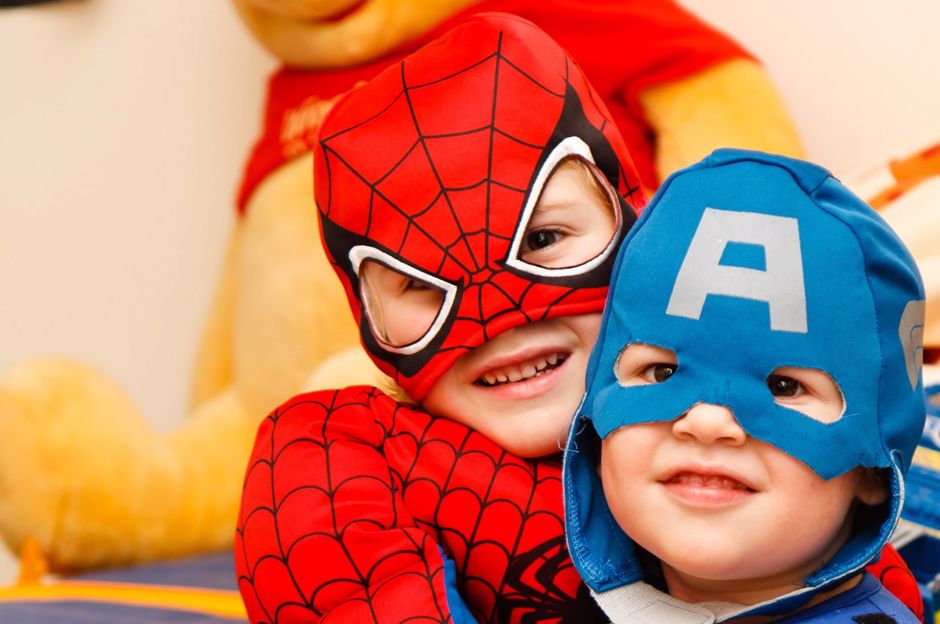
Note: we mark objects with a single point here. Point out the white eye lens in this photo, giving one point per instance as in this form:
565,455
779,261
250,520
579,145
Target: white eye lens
405,307
571,219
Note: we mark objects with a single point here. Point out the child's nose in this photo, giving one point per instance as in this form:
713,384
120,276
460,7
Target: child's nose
709,424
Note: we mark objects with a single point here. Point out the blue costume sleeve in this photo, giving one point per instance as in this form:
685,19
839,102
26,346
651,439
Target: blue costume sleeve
866,603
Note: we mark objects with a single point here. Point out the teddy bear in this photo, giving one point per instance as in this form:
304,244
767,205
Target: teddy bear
85,477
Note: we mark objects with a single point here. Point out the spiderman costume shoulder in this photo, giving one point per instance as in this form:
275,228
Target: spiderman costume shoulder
353,501
360,509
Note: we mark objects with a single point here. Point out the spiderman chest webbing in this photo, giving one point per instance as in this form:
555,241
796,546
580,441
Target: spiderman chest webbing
499,517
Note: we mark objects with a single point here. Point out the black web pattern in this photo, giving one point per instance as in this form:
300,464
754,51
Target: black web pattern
479,265
445,486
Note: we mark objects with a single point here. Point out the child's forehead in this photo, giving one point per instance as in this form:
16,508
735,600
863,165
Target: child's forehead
573,182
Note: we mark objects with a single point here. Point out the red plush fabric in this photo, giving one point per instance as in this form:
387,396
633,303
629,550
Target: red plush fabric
894,574
623,46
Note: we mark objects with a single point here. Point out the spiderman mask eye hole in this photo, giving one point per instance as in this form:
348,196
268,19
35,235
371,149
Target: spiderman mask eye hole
572,225
401,307
404,306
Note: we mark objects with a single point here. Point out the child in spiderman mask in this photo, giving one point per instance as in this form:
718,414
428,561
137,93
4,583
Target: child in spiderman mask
752,404
471,199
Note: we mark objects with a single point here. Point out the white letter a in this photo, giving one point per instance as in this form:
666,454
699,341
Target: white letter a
780,284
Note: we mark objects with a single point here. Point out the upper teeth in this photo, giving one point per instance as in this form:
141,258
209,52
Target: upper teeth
709,481
518,372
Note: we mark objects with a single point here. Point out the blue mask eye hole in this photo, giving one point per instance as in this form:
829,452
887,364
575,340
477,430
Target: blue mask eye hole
783,386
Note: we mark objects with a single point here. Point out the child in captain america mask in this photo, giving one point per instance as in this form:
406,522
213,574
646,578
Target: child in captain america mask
752,403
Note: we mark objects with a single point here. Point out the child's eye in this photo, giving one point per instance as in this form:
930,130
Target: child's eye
641,364
783,386
540,239
808,390
573,221
401,307
659,372
416,285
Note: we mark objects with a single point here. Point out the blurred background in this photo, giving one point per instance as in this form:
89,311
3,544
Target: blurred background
124,125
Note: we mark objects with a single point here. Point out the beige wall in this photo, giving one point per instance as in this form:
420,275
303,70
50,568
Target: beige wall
860,76
123,128
124,125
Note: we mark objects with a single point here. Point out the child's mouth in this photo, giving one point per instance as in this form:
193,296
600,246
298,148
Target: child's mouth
521,371
342,13
717,482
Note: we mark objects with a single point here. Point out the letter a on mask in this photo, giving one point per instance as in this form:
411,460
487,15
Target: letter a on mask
780,283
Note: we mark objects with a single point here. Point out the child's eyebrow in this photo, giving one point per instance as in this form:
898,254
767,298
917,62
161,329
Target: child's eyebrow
556,204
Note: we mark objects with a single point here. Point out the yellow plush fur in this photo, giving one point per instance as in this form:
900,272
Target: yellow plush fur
86,476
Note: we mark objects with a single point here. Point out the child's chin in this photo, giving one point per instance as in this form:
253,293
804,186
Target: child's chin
536,449
721,577
532,433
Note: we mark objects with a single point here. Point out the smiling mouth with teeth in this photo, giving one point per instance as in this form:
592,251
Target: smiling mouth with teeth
716,482
522,371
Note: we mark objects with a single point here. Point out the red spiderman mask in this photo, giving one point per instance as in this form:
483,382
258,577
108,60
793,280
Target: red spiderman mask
433,170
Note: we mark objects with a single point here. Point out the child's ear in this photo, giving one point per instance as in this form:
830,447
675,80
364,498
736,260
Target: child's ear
872,488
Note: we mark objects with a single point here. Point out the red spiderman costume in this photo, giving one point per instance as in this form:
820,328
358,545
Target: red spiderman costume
354,503
357,508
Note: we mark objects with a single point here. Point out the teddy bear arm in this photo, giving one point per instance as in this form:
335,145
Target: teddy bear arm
213,368
84,474
349,367
732,104
208,454
290,311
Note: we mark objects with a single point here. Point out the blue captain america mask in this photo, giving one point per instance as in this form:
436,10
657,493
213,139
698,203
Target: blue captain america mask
752,262
742,264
